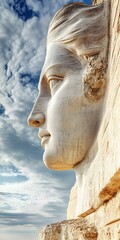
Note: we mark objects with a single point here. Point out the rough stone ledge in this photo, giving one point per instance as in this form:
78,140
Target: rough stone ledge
74,229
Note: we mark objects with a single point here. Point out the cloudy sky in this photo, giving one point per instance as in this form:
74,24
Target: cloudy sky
31,196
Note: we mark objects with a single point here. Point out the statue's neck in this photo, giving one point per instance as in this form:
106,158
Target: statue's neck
81,170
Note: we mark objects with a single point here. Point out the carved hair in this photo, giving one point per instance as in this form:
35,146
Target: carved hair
82,28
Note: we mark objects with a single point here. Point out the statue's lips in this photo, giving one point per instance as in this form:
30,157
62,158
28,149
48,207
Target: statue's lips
44,140
44,135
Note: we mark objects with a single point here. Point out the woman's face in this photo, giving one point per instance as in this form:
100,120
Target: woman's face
68,123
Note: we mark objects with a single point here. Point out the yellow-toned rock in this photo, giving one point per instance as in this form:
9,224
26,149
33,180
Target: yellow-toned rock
98,177
78,229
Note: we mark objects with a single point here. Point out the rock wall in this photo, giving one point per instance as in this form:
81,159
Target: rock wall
107,217
98,179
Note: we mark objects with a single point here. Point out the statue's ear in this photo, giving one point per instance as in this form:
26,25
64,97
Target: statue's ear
94,79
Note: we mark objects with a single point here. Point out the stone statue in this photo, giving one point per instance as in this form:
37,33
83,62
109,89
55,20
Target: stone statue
69,106
79,117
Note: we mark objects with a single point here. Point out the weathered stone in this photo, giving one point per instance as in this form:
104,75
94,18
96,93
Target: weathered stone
110,232
77,229
98,177
107,219
72,203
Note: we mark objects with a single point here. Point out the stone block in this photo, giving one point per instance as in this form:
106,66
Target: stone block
77,229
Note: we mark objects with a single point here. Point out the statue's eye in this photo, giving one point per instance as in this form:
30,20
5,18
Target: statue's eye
54,82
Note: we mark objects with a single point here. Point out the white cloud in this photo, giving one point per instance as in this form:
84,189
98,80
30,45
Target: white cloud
27,186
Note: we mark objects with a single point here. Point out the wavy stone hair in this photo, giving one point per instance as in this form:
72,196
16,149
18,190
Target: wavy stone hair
82,28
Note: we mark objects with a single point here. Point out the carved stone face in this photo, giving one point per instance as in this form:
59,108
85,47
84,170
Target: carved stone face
68,122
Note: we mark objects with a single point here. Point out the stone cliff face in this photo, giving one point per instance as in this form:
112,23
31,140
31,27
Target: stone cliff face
104,170
101,198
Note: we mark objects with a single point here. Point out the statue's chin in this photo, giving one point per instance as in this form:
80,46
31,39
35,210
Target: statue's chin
56,164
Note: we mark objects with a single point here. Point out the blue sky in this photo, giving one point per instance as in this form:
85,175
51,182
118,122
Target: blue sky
31,196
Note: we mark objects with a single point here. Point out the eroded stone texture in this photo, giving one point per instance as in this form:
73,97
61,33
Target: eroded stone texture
110,232
77,229
95,78
107,219
72,203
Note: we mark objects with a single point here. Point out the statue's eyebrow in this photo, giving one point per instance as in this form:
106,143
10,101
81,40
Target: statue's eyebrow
56,68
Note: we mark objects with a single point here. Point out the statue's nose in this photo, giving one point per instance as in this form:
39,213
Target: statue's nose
36,120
